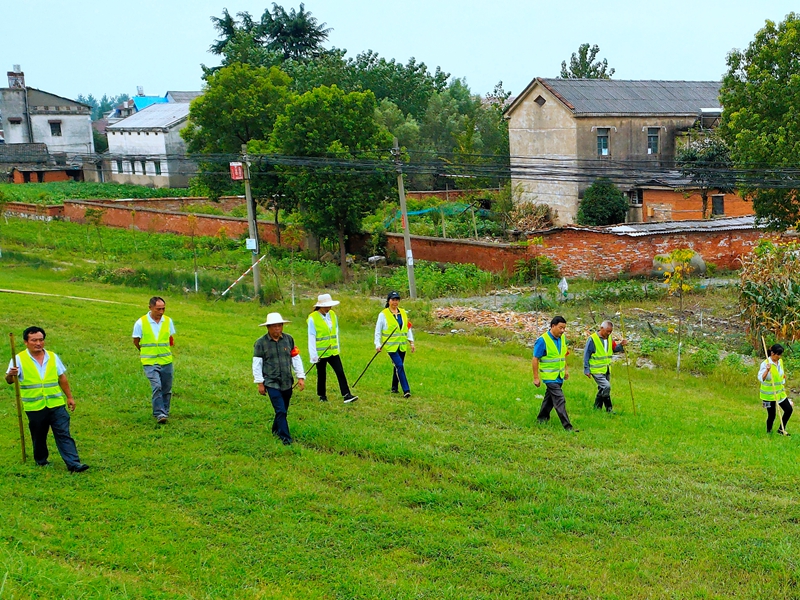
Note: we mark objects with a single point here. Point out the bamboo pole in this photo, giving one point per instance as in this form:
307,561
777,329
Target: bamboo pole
781,428
627,359
19,400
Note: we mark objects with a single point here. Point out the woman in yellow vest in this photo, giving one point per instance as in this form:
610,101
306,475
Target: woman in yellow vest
773,389
393,333
45,391
323,347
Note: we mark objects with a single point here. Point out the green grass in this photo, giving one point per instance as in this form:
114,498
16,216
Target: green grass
57,192
455,493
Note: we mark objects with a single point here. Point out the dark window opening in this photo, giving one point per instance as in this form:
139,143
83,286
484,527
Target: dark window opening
718,205
652,140
540,101
157,166
55,128
602,141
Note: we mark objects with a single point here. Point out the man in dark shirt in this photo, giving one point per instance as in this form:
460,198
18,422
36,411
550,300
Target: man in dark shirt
274,357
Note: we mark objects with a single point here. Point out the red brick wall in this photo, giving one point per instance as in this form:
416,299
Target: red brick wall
165,221
24,209
669,205
490,257
226,203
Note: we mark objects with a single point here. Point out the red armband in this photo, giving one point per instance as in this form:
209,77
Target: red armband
410,325
295,352
171,341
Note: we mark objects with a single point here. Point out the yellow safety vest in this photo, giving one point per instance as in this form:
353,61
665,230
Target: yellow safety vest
773,390
600,361
327,337
553,364
38,393
154,351
399,339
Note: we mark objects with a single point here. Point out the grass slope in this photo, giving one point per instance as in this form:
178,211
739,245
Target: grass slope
455,493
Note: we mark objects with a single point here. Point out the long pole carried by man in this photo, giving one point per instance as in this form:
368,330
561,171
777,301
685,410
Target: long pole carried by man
627,360
19,400
378,351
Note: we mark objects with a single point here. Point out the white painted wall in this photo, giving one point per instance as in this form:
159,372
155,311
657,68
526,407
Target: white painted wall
76,133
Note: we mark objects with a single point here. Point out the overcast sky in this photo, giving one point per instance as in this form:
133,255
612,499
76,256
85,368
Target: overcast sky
87,46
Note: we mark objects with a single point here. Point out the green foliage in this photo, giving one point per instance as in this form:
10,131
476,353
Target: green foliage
57,192
651,345
602,204
436,279
100,141
582,65
102,106
761,96
770,291
537,268
623,291
704,360
707,163
535,303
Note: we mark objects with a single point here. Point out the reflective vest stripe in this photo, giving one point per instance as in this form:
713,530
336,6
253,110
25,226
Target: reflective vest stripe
327,344
555,360
152,350
601,359
36,392
399,339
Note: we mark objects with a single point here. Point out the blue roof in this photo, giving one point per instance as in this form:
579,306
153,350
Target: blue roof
141,102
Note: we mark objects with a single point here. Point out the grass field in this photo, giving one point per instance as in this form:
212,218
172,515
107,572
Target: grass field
454,493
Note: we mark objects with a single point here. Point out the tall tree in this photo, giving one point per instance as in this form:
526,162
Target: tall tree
582,65
761,96
706,162
334,194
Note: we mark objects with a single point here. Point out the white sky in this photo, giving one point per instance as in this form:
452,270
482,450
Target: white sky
69,47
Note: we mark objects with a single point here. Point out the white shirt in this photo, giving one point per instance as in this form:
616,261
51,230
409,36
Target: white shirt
381,324
258,373
765,366
60,368
137,327
312,335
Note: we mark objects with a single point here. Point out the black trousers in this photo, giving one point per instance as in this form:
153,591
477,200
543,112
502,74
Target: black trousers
554,398
786,406
322,375
40,422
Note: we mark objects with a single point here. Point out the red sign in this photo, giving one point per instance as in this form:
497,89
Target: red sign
237,171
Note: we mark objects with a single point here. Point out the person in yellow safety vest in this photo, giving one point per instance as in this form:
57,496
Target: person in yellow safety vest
153,338
772,379
393,332
597,362
550,366
45,391
323,347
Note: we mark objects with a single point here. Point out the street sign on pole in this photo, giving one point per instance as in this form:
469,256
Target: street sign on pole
237,171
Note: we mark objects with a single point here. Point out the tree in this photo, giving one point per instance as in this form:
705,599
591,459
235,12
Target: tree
103,105
582,65
761,96
334,195
602,204
707,163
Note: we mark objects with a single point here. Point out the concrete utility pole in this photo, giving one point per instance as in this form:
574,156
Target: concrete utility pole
251,220
412,284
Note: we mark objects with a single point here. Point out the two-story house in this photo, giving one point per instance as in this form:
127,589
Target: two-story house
564,133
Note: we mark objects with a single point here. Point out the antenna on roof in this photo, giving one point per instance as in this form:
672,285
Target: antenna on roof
16,69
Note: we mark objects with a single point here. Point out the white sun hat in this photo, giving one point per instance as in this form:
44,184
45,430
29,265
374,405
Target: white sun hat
325,300
274,319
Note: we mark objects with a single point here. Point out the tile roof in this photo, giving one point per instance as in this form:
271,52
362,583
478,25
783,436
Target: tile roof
182,97
723,224
155,116
24,153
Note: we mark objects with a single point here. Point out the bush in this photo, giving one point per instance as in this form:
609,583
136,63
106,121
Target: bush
616,291
602,204
649,346
435,280
538,267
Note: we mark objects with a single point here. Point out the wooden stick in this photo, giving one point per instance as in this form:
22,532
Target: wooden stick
19,400
627,359
373,356
781,428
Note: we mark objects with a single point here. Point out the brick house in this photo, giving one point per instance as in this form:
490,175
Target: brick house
564,133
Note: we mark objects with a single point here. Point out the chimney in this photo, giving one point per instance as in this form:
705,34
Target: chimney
16,78
139,90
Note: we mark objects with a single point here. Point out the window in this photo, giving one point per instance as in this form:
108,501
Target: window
144,168
652,140
15,121
636,197
119,166
602,141
157,166
55,128
133,167
717,205
540,101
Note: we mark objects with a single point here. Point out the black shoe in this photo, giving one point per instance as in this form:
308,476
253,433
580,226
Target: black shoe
407,395
350,398
323,398
46,463
394,392
542,421
784,432
161,420
287,442
80,468
571,430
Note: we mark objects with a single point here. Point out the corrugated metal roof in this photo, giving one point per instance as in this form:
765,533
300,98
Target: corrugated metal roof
642,229
142,102
156,116
618,97
182,97
24,153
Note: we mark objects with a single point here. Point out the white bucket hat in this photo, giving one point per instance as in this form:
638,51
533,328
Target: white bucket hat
325,300
274,319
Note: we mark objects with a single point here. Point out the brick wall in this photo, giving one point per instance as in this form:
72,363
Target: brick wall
166,221
34,211
669,205
490,257
226,203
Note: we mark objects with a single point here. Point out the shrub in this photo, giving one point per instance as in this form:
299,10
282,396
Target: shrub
602,204
616,291
535,268
435,280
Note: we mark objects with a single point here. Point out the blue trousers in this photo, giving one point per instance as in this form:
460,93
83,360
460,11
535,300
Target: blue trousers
57,419
399,374
160,377
280,402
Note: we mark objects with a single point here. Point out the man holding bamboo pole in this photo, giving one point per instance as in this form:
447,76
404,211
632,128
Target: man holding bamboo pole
45,391
597,362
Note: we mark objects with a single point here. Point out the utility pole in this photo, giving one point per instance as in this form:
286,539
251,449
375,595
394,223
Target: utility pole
412,284
252,225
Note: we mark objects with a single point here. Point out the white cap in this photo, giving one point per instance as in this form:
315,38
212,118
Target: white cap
274,319
325,300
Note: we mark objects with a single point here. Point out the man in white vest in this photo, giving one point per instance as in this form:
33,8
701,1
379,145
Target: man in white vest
153,338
